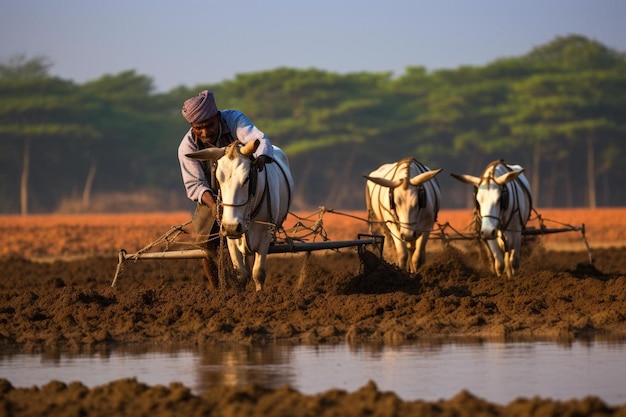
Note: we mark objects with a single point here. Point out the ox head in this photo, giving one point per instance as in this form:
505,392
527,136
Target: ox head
406,197
491,198
236,180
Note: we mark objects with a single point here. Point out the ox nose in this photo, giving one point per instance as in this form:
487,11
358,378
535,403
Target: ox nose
231,229
488,234
409,236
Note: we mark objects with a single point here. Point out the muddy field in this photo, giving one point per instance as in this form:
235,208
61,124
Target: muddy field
56,293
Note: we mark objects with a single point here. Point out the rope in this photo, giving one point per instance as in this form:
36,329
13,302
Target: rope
312,227
165,238
440,233
301,231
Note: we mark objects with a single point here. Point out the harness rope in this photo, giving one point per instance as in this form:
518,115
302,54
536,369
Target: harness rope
312,227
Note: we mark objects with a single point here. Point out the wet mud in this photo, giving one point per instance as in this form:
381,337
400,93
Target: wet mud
131,398
325,297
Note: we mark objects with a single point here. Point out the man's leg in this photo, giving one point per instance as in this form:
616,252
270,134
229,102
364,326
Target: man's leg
206,230
212,272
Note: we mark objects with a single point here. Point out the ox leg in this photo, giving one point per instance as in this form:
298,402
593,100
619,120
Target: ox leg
241,269
419,253
508,267
258,271
402,254
514,255
260,239
249,261
498,256
514,262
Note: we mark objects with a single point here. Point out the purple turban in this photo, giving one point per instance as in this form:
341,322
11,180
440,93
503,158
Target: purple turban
200,108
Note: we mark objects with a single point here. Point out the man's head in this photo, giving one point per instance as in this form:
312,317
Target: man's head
201,111
200,108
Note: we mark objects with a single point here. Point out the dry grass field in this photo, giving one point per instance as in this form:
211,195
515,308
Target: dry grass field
41,236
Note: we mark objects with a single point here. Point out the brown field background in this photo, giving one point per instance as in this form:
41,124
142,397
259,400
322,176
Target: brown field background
41,236
70,305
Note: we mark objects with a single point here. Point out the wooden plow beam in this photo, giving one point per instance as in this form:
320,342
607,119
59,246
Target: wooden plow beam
528,231
362,240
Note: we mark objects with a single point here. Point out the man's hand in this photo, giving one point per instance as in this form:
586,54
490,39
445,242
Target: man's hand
259,163
209,200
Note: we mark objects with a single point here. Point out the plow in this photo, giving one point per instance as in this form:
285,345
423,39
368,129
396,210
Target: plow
305,236
538,227
308,235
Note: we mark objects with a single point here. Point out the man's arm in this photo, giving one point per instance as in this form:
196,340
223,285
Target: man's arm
194,179
246,131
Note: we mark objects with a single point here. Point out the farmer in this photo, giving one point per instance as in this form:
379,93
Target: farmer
211,127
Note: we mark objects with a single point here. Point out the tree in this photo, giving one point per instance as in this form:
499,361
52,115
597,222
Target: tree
575,95
129,121
36,107
559,111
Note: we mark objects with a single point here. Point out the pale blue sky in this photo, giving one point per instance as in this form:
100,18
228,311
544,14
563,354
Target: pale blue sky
188,42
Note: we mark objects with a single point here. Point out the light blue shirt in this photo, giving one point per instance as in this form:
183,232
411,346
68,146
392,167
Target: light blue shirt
193,173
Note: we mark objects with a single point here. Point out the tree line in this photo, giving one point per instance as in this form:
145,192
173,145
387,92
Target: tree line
110,144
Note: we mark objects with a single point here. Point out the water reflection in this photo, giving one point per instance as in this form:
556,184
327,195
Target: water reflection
231,364
429,370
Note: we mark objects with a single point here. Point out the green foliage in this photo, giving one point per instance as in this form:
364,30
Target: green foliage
542,110
20,67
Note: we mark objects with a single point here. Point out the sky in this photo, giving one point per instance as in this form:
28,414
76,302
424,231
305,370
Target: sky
193,42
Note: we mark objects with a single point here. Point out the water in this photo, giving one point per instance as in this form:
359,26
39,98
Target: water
498,372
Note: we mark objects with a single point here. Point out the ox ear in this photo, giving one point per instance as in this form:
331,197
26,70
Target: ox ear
208,154
249,148
467,179
383,181
509,176
425,176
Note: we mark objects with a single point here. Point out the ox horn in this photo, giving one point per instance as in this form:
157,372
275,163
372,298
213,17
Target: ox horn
424,176
509,176
250,147
467,179
208,154
384,181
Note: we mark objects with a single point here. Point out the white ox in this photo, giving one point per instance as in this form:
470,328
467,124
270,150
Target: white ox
253,204
403,197
503,204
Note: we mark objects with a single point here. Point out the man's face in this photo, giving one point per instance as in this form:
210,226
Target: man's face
207,130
